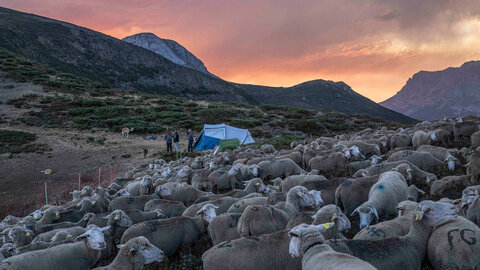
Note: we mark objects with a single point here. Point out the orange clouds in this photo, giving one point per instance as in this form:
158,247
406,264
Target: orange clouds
372,45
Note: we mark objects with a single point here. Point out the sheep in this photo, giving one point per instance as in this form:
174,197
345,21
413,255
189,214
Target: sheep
475,140
221,180
141,187
277,168
308,241
130,203
400,140
181,192
413,192
361,173
47,236
7,250
169,208
86,191
134,254
470,191
473,211
308,154
80,255
307,181
405,252
441,154
366,149
398,226
223,205
375,159
420,178
455,245
268,251
422,160
59,238
253,186
464,129
257,220
267,149
330,164
169,234
332,213
450,186
38,229
474,167
390,189
421,137
19,236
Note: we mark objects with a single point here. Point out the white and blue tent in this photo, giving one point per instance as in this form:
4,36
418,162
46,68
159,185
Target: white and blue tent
212,134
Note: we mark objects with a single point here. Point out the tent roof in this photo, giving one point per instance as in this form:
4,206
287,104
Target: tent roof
212,134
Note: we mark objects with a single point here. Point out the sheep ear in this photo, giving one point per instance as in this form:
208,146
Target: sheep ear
375,213
120,246
104,228
81,236
300,194
354,212
107,216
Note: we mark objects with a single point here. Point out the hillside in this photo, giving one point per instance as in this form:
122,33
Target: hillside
84,52
90,54
167,48
451,92
319,94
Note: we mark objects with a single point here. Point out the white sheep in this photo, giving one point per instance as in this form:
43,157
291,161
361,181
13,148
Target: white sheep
80,255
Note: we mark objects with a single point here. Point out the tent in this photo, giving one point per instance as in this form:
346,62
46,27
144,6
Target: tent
212,134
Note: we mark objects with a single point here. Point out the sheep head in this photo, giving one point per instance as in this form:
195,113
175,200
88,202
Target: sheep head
317,197
208,212
450,160
163,191
119,218
304,236
94,236
375,159
366,213
435,213
141,250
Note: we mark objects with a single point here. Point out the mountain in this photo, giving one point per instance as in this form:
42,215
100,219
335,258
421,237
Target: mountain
430,95
87,53
320,94
83,52
167,48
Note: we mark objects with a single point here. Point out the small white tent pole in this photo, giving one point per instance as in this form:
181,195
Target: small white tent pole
46,195
79,177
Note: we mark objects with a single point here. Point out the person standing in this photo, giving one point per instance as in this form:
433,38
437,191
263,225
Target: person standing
176,139
168,139
190,141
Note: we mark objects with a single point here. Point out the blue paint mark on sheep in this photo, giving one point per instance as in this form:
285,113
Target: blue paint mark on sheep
380,187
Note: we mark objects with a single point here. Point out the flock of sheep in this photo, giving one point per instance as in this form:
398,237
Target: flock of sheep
375,199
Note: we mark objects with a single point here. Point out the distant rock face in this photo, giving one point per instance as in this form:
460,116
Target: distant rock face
169,49
451,92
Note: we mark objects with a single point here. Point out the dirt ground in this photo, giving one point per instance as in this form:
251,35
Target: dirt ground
22,185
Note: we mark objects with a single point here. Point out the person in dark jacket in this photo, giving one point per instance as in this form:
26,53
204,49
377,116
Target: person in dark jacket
176,139
190,141
168,139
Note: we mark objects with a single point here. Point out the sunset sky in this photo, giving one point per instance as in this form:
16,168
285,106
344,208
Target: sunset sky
372,45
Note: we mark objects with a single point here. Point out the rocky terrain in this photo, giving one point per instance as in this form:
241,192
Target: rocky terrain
101,58
431,95
167,48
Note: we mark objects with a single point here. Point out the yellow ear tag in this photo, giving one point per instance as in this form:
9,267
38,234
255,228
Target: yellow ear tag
67,237
417,217
93,203
333,218
409,170
326,225
57,214
78,204
257,184
28,234
456,200
115,218
21,221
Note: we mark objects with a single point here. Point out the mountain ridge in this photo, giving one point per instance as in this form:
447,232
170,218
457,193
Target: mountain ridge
96,56
429,95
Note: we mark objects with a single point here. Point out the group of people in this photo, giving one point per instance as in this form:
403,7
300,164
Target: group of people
175,138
